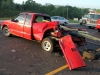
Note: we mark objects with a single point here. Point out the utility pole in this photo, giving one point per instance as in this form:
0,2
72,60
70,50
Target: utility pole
67,11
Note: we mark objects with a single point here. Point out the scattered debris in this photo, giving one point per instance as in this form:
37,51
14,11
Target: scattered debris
31,65
30,72
89,54
57,54
13,50
19,59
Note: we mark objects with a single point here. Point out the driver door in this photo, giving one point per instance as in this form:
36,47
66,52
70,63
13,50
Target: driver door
17,25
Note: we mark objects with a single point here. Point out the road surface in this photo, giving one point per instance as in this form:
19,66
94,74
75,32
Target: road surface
19,56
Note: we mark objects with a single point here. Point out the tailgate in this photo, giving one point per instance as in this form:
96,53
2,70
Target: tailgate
71,53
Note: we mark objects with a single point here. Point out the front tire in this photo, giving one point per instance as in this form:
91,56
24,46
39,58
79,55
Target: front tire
6,31
80,23
65,23
48,44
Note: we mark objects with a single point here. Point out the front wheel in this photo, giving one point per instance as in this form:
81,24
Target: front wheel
48,44
65,23
80,23
6,31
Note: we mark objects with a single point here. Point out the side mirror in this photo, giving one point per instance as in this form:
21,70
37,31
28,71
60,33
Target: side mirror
13,20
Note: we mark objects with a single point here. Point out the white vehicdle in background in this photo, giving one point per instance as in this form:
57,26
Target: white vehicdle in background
60,19
90,19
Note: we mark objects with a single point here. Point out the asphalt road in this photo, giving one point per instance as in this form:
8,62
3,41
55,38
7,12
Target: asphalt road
19,56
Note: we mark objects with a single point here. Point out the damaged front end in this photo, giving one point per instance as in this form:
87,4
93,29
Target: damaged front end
69,41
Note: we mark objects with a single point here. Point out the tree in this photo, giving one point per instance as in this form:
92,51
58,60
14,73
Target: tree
8,6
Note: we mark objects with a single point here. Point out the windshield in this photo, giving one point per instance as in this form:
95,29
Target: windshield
94,16
91,16
54,17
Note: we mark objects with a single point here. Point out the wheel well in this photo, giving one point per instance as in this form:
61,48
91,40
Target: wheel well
48,33
3,26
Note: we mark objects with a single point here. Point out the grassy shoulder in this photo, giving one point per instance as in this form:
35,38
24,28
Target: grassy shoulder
73,21
5,18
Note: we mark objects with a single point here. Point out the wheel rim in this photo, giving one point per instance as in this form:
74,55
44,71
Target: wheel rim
6,31
47,45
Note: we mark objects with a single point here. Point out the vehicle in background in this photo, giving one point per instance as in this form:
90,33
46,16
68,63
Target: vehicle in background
90,19
61,20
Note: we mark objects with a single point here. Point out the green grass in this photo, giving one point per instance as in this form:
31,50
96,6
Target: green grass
73,21
5,18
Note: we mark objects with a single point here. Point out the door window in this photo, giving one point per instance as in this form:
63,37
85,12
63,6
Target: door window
42,19
61,18
39,19
21,18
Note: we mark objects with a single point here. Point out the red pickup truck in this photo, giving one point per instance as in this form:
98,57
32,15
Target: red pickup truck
32,26
37,26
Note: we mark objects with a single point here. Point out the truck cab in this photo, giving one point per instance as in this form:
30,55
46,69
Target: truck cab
31,26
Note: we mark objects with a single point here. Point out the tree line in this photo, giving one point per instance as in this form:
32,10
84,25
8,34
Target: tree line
10,9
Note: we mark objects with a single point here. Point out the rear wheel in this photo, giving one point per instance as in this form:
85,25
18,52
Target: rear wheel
89,27
6,31
48,44
65,23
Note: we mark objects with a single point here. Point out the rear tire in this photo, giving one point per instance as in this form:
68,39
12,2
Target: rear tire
89,27
48,44
6,31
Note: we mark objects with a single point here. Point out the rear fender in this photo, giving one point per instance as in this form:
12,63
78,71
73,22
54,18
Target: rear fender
39,29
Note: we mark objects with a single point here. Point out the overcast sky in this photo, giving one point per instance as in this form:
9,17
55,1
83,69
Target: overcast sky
78,3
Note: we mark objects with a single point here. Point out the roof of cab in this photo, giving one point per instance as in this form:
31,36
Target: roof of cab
34,13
